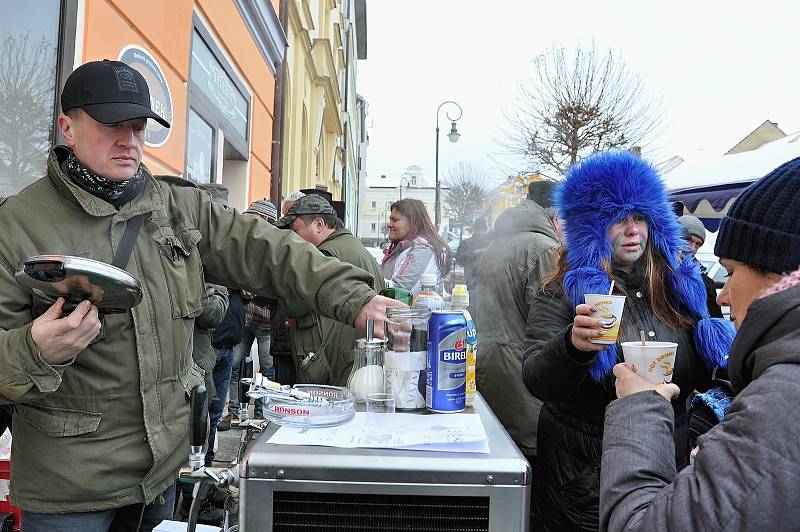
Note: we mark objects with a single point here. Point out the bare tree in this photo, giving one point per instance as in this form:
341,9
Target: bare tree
572,107
27,87
465,194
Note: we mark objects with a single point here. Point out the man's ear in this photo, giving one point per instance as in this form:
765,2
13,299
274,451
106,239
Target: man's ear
66,125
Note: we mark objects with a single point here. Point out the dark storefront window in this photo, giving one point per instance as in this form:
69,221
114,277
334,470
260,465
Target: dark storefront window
28,74
200,149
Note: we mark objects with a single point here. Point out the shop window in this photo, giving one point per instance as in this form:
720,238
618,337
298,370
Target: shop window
29,75
199,149
374,227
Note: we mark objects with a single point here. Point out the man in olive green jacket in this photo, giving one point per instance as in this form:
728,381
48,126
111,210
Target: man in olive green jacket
315,221
101,402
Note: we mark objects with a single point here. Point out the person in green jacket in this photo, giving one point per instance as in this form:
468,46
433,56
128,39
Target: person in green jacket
101,401
315,221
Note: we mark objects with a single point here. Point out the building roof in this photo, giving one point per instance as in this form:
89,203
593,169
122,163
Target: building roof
735,168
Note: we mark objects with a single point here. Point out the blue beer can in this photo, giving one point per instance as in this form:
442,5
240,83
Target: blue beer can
447,362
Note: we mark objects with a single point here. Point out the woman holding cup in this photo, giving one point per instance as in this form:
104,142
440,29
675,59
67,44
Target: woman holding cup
623,239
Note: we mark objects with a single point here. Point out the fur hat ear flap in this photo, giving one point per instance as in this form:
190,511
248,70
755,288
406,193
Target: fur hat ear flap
578,283
604,363
582,281
688,284
713,338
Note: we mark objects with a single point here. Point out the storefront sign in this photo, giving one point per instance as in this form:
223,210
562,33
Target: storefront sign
160,98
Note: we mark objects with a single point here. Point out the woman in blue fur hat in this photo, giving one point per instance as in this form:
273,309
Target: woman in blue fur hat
619,226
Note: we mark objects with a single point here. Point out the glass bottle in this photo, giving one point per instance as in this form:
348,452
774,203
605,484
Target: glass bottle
367,375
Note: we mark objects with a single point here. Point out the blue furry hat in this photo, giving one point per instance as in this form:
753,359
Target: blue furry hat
604,189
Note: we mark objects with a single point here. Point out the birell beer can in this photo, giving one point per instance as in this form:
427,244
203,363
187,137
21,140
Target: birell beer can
447,362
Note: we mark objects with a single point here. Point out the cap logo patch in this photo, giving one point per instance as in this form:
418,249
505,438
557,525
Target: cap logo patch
126,81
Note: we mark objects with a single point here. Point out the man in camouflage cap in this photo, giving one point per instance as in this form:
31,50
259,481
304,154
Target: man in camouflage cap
313,219
306,205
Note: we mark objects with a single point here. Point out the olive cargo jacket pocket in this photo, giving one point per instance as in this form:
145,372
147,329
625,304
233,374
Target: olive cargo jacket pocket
194,377
59,422
310,363
183,270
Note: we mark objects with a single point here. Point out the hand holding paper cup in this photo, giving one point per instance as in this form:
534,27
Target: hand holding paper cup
654,361
608,313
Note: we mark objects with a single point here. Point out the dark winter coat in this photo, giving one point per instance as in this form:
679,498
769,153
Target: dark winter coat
231,330
567,477
745,474
469,254
510,272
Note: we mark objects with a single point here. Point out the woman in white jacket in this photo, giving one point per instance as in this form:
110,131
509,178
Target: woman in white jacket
415,248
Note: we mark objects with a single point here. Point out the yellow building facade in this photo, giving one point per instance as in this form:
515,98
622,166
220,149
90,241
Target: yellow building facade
511,192
322,131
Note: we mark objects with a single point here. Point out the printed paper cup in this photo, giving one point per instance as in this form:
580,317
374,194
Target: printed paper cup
654,361
609,313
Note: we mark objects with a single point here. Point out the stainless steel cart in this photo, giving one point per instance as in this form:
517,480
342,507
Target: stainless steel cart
331,489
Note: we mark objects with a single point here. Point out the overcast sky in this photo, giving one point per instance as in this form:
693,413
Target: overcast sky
721,68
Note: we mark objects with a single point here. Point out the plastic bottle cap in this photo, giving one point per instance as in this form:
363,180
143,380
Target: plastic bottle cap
460,290
428,279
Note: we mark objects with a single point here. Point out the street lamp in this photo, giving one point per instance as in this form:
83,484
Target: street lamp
454,135
407,179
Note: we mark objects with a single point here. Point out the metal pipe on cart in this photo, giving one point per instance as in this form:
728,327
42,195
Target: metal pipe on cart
198,434
245,378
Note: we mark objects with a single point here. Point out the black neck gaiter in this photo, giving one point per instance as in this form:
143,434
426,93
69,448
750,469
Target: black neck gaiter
117,193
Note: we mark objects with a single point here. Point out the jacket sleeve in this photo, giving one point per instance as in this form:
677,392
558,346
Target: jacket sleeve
414,265
743,478
24,375
464,254
539,267
214,310
549,370
241,251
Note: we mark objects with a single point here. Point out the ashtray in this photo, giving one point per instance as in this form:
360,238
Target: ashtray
322,406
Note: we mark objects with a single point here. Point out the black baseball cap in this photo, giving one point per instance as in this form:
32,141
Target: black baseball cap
309,204
110,92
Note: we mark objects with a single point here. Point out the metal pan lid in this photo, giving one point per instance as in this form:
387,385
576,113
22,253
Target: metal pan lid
76,279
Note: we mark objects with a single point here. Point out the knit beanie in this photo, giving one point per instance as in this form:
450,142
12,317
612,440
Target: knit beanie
693,226
604,189
762,227
541,192
263,207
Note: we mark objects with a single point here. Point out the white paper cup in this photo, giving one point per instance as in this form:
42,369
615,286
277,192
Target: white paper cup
654,361
609,313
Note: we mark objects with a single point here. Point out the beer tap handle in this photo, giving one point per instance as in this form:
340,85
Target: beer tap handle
245,372
198,428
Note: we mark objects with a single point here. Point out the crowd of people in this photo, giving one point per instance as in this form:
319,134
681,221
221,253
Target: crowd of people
608,449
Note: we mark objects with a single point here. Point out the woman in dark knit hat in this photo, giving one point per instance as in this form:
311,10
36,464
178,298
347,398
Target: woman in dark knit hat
745,472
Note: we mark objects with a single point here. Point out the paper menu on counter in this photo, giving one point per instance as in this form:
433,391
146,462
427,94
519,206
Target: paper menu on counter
435,432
